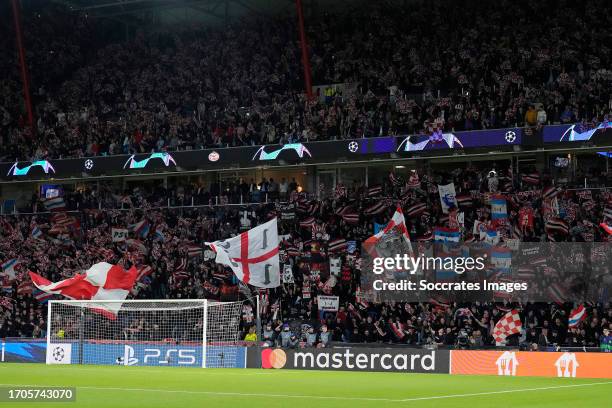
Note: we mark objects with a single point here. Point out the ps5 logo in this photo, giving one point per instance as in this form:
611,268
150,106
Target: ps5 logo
298,148
45,165
156,356
132,163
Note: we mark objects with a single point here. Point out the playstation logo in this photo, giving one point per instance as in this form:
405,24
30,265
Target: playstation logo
128,356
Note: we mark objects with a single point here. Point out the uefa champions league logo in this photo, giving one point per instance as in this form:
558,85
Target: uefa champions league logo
58,354
299,149
133,163
89,164
510,136
45,165
353,147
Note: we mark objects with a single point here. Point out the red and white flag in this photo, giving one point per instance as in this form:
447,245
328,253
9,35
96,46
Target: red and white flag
576,316
394,238
102,281
397,224
506,326
252,255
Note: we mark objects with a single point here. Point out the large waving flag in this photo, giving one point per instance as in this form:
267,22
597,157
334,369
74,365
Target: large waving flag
506,326
102,281
252,255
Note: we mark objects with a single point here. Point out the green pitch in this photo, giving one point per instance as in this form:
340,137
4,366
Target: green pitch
167,387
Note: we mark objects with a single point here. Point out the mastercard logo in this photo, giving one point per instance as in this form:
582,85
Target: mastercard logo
273,358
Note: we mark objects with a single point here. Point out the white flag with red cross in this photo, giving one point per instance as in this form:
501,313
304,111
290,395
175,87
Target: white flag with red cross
252,255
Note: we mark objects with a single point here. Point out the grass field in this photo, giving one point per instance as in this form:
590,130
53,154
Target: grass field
103,386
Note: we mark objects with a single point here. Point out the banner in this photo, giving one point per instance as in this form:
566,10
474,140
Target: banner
28,351
576,133
328,303
59,353
119,234
122,353
541,364
293,153
357,359
448,197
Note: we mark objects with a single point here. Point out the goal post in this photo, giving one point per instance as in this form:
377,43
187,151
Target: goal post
181,332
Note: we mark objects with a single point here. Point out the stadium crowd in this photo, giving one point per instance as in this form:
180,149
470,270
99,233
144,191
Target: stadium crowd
320,254
393,69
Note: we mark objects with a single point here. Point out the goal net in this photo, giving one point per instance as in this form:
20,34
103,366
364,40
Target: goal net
197,333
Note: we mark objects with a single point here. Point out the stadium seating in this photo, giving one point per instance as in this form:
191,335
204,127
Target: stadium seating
375,74
166,244
202,88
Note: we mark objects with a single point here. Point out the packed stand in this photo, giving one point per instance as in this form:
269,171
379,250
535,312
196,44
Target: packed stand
401,70
320,254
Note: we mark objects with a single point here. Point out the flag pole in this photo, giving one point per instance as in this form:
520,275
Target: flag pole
258,330
81,334
205,334
48,328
